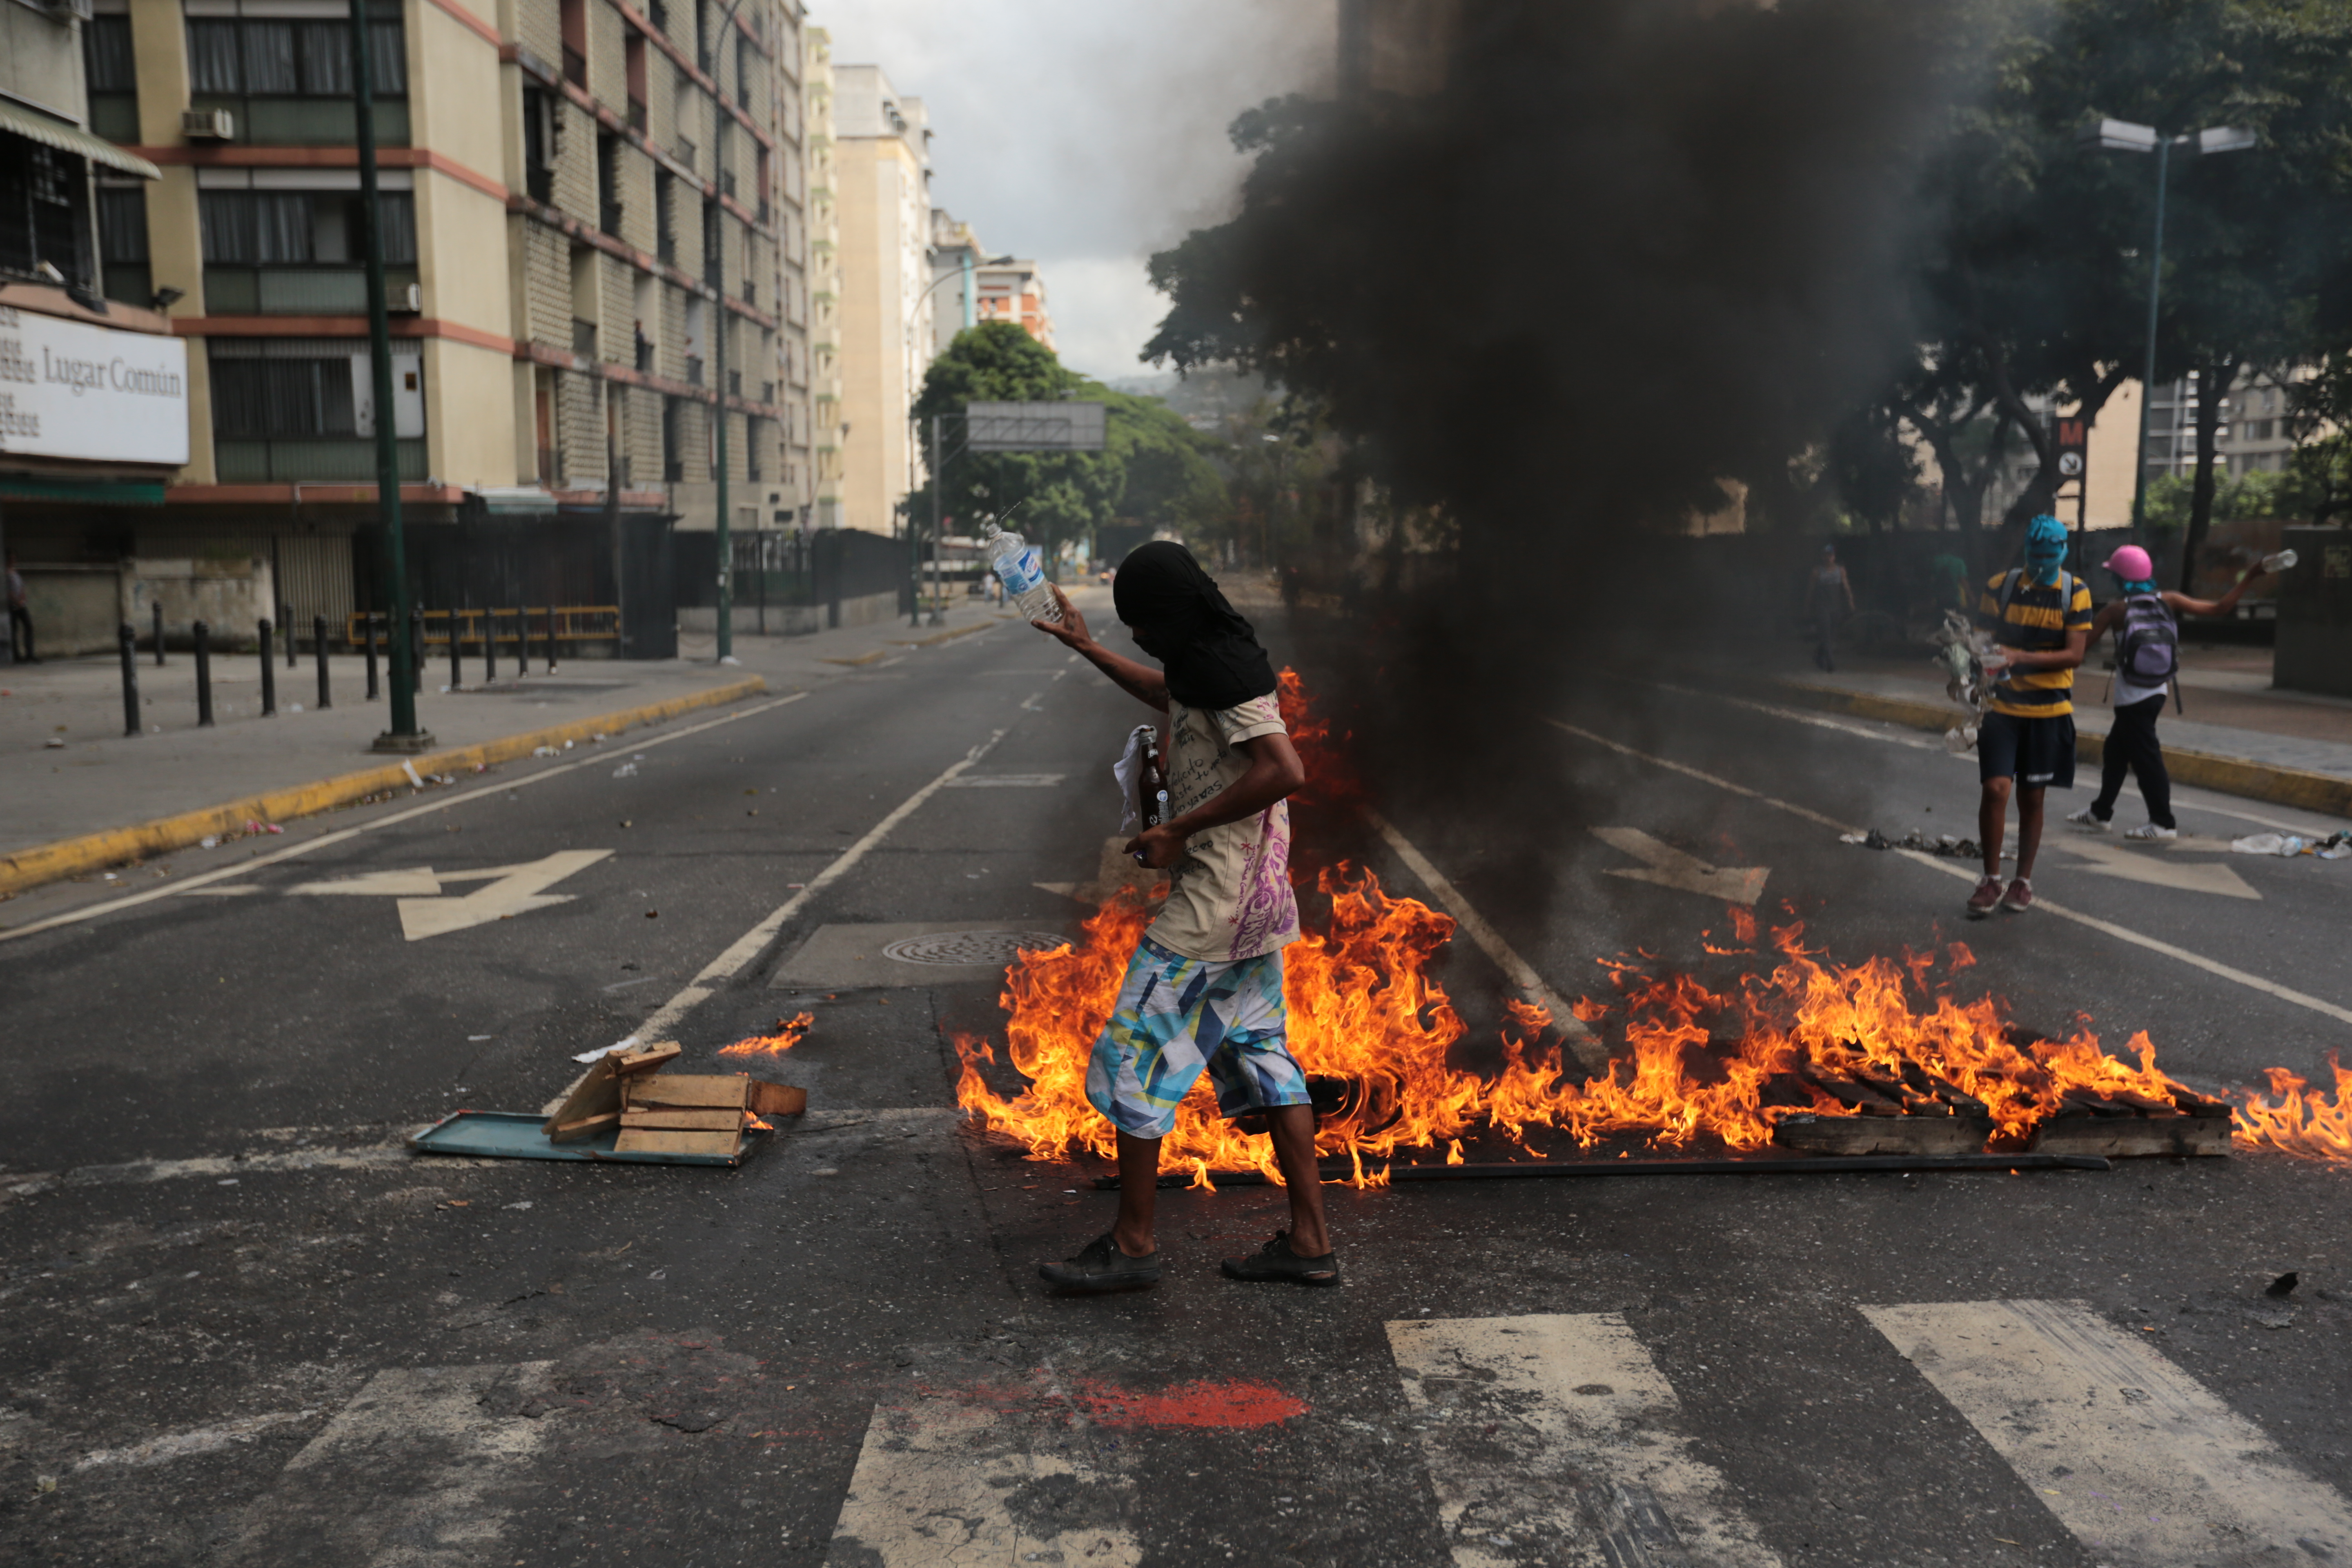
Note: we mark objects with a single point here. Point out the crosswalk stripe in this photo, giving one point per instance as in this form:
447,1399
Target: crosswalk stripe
2145,1467
1550,1440
955,1482
410,1472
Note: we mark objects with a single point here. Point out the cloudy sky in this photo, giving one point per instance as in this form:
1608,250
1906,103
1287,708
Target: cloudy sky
1087,133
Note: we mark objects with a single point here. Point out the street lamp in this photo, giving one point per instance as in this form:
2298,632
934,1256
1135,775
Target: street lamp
2124,136
716,265
914,314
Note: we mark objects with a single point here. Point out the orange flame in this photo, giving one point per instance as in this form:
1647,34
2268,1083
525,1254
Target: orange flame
1331,781
2301,1120
789,1033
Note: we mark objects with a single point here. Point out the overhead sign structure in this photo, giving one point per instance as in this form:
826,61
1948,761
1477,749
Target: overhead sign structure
1034,426
71,390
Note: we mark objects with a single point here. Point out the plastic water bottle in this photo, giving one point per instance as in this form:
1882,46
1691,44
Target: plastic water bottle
1022,573
2283,560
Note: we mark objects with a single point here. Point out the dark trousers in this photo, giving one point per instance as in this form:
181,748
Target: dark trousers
1825,630
2132,744
20,617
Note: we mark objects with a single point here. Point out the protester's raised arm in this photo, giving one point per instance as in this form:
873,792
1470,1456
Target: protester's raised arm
1140,681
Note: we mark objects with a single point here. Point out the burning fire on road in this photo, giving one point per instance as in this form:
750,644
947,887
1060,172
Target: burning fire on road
1801,1052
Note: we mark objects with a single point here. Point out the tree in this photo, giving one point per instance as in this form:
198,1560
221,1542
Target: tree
1154,468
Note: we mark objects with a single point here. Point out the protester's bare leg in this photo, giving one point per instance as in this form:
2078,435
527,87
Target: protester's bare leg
2029,828
1139,1195
1992,822
1294,1151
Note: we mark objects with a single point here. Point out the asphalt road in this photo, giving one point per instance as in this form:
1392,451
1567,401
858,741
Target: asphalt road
246,1328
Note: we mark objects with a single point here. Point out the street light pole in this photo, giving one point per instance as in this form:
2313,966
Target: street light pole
2124,136
403,735
718,273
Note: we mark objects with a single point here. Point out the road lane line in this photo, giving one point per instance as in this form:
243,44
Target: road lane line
753,942
185,1444
1551,1439
2138,1460
190,884
415,1471
947,1481
2108,928
1580,1040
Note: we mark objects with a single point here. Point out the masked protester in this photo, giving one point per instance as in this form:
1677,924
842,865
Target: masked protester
1204,991
2040,615
2148,659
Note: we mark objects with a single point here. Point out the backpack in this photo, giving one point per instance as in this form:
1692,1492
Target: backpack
2148,653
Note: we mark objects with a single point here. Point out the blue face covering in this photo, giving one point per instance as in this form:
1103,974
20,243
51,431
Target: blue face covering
2045,548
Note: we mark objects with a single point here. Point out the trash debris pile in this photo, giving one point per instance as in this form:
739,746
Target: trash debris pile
1950,845
625,1109
2335,847
1961,647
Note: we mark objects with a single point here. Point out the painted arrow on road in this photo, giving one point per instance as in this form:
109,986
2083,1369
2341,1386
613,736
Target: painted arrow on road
2139,866
1670,867
511,890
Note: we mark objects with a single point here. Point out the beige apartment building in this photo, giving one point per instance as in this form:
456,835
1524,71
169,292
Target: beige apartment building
824,281
881,168
580,199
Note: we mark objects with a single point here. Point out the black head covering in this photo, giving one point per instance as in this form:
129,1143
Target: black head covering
1180,618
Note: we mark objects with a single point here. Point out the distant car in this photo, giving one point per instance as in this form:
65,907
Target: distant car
1106,574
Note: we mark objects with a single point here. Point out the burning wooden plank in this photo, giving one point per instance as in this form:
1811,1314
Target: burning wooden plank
2124,1122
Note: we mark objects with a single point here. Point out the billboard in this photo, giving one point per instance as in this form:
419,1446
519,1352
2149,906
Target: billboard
69,389
1034,426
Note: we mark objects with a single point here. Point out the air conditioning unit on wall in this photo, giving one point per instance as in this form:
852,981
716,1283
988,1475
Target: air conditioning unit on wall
208,124
407,301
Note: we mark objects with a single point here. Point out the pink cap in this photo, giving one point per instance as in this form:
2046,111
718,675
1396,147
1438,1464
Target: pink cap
2131,564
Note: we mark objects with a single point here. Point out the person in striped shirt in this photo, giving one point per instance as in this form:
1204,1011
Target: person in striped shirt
2040,615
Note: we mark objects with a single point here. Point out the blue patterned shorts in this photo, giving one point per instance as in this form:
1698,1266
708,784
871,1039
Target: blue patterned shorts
1177,1016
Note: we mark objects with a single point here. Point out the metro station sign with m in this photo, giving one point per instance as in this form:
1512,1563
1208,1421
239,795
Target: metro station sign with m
2074,446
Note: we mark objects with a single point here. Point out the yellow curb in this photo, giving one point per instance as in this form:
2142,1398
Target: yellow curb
945,636
116,846
2207,769
861,658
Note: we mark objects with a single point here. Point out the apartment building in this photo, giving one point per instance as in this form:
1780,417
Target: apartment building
580,202
955,258
827,428
2253,436
1011,290
882,174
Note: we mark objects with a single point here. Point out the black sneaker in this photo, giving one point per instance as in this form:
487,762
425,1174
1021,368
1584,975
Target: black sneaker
1101,1266
1275,1261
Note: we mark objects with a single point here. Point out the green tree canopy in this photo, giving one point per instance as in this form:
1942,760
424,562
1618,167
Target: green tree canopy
1154,467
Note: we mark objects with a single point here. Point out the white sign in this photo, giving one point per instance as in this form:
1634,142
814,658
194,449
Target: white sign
71,390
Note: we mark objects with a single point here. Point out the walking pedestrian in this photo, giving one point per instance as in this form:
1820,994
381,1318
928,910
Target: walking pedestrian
2040,615
1827,582
1204,991
20,615
2147,663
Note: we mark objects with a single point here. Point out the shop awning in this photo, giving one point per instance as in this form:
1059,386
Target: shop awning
66,139
90,492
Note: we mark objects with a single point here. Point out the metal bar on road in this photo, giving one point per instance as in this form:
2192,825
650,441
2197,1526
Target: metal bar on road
1814,1165
130,640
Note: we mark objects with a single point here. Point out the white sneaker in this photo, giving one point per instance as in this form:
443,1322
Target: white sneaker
2149,830
2083,818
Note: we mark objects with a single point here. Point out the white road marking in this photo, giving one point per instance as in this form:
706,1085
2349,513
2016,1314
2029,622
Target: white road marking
503,786
137,1171
202,1440
518,892
417,880
2138,1461
2135,865
1579,1039
2040,905
1030,703
1551,1439
1008,781
942,1481
413,1472
1668,866
753,942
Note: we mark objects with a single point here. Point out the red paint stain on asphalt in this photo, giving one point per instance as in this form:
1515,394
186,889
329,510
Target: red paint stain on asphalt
1237,1403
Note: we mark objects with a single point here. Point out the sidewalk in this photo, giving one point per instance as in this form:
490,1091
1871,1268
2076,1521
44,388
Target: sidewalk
98,798
2236,734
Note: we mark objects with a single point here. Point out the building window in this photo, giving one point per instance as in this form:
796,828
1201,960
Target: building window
114,79
288,82
44,211
673,458
122,243
665,215
291,409
608,183
301,252
538,145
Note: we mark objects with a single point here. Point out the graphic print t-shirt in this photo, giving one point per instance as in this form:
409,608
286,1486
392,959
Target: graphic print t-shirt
1229,898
